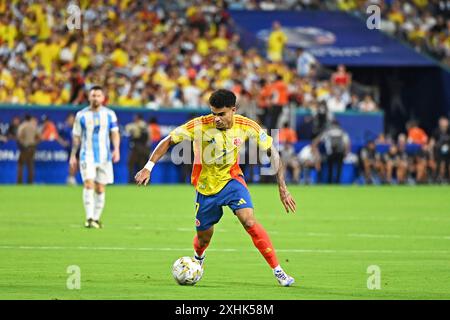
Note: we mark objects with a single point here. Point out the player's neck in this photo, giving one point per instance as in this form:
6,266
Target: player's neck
95,109
232,122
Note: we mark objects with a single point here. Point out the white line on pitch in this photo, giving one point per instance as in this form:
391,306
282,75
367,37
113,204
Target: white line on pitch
344,251
308,234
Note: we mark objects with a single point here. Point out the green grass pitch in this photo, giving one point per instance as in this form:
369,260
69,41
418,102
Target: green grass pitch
328,245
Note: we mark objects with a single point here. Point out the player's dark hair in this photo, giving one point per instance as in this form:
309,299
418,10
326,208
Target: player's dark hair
96,87
222,99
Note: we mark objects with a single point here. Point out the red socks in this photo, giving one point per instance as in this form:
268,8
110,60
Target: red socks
199,250
261,241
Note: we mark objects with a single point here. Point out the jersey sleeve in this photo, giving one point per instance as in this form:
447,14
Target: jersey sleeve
76,130
185,131
254,131
112,121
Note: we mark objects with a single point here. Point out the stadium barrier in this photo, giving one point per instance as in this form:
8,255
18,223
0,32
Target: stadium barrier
51,166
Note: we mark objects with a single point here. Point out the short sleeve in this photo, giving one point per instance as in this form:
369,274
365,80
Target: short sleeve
76,131
112,121
256,132
184,132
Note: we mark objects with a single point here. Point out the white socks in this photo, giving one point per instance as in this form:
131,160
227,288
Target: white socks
88,201
277,268
99,204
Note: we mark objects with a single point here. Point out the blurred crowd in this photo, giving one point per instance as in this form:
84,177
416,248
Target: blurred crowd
414,157
425,24
146,54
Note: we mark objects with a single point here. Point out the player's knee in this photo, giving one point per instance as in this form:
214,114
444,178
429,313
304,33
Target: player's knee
99,188
248,223
88,185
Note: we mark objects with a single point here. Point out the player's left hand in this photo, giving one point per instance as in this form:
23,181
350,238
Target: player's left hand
115,156
287,200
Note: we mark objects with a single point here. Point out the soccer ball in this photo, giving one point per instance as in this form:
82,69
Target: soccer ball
187,271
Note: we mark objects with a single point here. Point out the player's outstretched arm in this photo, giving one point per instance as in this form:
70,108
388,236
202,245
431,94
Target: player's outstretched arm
286,198
143,176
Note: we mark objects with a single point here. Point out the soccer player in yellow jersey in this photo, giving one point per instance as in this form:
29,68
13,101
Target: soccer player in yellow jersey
217,177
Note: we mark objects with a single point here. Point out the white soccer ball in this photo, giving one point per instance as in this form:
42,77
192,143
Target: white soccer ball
187,271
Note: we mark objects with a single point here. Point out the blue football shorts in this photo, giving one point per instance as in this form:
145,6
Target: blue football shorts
209,209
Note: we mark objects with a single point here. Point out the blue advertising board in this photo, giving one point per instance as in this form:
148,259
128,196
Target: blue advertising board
333,37
51,164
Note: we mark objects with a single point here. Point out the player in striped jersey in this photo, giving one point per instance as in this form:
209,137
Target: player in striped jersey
217,177
92,129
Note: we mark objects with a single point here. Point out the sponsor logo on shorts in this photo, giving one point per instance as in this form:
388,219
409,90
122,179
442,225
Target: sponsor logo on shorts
197,223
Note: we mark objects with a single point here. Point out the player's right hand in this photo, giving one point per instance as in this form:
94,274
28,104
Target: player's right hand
73,162
142,177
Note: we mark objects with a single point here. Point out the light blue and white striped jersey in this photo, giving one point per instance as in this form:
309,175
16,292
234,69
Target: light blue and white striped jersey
304,63
94,128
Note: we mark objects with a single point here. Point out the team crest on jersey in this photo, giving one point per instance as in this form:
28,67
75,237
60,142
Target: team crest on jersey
197,223
237,142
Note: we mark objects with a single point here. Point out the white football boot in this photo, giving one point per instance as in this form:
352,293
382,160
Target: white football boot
283,278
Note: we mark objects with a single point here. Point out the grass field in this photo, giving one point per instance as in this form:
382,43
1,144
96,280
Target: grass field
337,233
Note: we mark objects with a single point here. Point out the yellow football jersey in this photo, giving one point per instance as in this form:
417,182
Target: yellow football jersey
216,152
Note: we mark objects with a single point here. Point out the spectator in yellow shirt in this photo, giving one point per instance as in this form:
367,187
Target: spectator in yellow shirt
396,14
30,25
221,41
3,93
129,100
48,52
119,57
8,31
276,43
18,95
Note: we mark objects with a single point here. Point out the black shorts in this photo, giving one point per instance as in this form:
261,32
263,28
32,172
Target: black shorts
443,158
